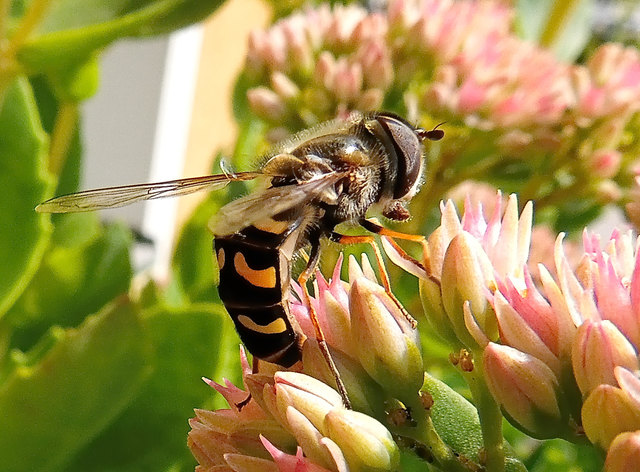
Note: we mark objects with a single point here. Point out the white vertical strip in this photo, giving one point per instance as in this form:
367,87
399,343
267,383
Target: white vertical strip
171,139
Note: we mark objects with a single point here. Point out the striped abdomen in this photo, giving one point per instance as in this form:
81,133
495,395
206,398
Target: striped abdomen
254,284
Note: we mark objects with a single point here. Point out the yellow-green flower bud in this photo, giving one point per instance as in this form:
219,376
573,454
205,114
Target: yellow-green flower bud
365,442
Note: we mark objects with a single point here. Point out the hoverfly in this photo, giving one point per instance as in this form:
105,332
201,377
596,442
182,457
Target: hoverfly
317,179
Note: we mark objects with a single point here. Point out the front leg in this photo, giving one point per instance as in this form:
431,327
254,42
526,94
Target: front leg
384,276
306,274
376,228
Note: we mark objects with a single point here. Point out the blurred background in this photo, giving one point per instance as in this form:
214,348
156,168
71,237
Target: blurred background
162,111
95,355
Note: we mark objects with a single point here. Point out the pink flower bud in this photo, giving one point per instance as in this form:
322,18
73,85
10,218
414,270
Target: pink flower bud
604,163
607,412
347,81
284,86
311,397
388,346
325,70
365,442
466,273
266,103
376,65
525,388
598,348
624,453
431,297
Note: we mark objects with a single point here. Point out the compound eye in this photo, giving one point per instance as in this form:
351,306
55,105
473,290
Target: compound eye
409,155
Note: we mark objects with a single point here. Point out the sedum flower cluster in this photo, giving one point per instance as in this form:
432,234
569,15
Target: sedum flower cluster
560,358
293,421
552,347
288,411
568,130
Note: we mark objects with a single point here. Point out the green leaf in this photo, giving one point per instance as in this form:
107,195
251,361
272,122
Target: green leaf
48,106
189,343
456,421
24,183
193,262
564,27
561,456
573,215
74,30
52,410
85,267
195,273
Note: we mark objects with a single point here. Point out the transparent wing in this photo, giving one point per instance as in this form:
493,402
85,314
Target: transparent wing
264,204
113,197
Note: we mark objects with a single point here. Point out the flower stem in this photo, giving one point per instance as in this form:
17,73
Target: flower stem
4,19
62,134
30,21
6,63
557,19
490,417
424,432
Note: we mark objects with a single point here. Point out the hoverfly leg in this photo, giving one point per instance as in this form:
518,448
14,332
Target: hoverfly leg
240,405
382,231
322,343
255,365
374,227
384,276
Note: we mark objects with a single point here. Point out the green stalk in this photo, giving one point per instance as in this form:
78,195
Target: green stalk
9,67
63,129
556,21
424,432
490,416
5,5
5,61
30,21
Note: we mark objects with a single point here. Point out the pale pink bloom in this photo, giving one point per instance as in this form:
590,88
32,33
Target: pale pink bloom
337,58
287,411
612,82
587,321
468,259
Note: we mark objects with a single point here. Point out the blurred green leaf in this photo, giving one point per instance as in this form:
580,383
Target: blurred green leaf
573,215
84,268
51,411
48,105
189,343
78,82
24,183
457,423
193,262
561,456
568,35
74,30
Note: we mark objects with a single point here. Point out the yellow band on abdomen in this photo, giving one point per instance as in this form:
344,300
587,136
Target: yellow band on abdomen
265,278
275,327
